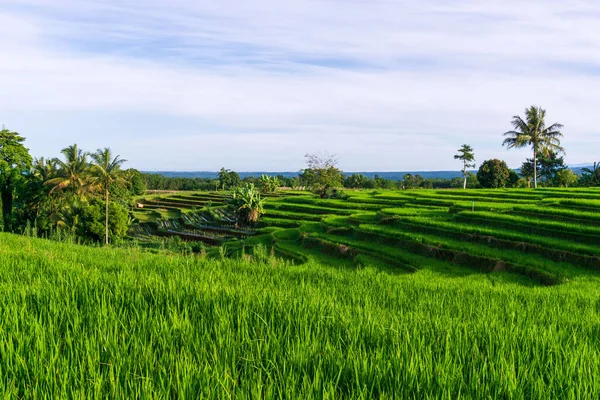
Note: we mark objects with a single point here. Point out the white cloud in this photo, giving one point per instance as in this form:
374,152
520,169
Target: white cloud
387,85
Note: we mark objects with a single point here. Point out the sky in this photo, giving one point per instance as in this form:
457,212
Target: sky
385,85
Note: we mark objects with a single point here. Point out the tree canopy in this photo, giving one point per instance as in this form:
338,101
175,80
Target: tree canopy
493,174
322,174
15,161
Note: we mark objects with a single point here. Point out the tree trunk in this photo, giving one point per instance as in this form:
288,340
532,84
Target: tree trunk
534,169
465,175
7,201
465,182
106,222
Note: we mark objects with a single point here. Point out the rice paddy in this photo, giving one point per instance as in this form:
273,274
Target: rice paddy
385,294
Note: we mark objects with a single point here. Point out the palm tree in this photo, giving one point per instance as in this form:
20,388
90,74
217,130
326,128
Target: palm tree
592,175
533,132
107,170
73,173
42,170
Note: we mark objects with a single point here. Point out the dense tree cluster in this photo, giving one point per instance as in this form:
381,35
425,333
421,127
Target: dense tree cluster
84,195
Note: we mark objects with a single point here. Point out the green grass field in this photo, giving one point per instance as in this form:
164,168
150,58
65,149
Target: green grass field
123,323
385,294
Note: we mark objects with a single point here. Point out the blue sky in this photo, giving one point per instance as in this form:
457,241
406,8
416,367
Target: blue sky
386,85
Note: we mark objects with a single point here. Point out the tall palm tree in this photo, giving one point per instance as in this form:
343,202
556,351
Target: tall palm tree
73,173
107,170
42,170
533,132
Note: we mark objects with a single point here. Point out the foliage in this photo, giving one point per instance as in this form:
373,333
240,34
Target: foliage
355,181
106,171
72,176
566,178
467,156
228,179
247,204
533,132
322,174
493,174
161,182
269,184
135,182
591,176
102,316
14,162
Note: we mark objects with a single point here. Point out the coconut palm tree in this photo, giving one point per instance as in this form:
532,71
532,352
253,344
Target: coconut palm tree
73,172
533,132
106,170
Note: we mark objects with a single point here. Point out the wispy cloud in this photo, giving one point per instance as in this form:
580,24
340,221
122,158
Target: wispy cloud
386,85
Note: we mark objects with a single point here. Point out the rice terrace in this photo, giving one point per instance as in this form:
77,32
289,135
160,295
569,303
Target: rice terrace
313,199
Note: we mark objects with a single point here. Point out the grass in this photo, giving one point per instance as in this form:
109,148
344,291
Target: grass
90,322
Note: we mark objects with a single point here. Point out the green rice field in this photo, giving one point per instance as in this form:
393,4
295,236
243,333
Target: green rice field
384,294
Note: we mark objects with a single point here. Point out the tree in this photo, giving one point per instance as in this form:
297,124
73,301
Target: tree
466,155
322,173
533,132
591,176
566,178
493,174
14,162
73,172
527,171
247,204
549,165
106,170
355,181
228,179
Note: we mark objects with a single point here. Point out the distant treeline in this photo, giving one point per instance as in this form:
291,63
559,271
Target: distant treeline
155,181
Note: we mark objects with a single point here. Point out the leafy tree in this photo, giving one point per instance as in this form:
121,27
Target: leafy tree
566,178
533,132
355,181
513,179
410,181
135,182
228,179
466,155
549,165
14,162
493,174
527,171
247,204
106,170
591,176
322,174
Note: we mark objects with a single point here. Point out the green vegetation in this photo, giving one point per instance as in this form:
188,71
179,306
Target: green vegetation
466,155
122,323
533,132
259,291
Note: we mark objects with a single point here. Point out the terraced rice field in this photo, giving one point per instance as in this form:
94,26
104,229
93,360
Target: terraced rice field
383,295
542,237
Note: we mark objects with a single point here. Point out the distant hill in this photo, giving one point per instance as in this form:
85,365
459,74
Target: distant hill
393,175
